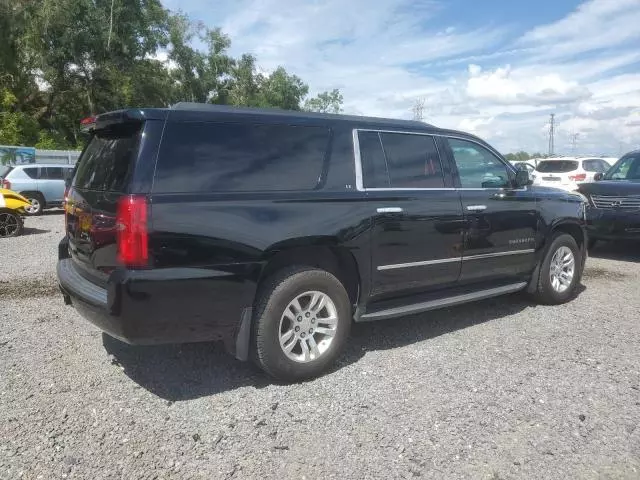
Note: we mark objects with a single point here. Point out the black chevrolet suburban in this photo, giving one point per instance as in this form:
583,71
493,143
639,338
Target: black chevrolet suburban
273,231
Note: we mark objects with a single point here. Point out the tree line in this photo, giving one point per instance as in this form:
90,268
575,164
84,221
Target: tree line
523,156
63,60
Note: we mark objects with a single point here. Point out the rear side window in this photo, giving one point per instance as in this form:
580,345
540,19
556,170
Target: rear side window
413,161
595,165
230,157
107,162
399,160
31,172
557,166
374,163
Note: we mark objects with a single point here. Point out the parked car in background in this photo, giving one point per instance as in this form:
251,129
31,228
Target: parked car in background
567,172
273,231
42,184
614,201
520,165
12,207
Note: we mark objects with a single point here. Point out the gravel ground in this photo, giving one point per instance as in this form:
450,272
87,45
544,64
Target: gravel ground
500,389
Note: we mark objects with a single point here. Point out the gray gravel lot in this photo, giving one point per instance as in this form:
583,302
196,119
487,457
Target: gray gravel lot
500,389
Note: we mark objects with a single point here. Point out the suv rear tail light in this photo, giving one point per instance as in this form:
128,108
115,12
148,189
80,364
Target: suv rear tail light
580,177
6,184
132,231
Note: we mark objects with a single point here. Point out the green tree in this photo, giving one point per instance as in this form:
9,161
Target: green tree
325,102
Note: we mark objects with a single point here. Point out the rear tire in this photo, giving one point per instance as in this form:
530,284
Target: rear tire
37,204
560,271
11,224
301,323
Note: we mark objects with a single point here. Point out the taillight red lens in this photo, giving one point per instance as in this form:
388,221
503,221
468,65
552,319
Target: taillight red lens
6,184
133,234
580,177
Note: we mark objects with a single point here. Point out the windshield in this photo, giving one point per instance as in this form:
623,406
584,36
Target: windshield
557,166
627,168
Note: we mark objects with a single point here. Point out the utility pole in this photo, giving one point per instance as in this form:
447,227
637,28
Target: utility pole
574,141
418,109
552,132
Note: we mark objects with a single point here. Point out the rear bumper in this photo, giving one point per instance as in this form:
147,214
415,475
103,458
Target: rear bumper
610,224
172,305
569,187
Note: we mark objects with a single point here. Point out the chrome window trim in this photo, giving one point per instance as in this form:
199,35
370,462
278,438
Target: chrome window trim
419,264
358,163
455,259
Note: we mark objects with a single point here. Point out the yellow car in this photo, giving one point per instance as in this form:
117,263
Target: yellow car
12,207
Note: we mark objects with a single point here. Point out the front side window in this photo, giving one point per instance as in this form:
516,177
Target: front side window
627,168
237,157
477,166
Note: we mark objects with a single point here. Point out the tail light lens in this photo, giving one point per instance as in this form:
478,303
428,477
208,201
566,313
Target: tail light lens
580,177
132,231
6,184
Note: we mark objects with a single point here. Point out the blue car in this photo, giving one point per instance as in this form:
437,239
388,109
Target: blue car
42,184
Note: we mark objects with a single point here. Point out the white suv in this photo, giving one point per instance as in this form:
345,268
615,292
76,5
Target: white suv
567,172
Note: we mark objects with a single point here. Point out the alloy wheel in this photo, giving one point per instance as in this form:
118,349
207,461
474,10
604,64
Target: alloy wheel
9,224
35,206
308,326
562,269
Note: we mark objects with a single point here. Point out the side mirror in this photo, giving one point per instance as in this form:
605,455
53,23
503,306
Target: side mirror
522,178
598,176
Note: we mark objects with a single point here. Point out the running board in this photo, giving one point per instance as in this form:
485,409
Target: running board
441,303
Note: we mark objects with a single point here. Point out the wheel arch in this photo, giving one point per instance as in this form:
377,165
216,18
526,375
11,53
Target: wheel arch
335,259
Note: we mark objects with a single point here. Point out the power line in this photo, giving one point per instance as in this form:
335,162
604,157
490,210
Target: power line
418,109
552,132
574,141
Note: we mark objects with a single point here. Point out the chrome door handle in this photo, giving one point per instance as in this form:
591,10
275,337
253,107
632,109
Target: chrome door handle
476,208
389,210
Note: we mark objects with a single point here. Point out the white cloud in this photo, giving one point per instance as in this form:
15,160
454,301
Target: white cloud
492,81
503,86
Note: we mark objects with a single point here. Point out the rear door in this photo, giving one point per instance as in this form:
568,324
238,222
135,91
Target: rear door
417,233
105,173
501,221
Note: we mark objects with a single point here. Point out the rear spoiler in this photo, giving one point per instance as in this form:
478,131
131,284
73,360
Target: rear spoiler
106,120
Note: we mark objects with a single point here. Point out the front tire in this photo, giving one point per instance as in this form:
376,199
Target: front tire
301,323
560,271
11,224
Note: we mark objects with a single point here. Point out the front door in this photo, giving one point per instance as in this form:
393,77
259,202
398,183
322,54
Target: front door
501,221
416,241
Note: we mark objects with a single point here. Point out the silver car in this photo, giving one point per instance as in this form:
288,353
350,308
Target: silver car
42,184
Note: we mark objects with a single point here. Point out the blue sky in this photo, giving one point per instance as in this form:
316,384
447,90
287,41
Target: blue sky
494,68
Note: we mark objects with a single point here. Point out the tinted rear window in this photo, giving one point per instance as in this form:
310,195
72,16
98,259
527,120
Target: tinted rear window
4,170
106,164
229,157
31,172
557,166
